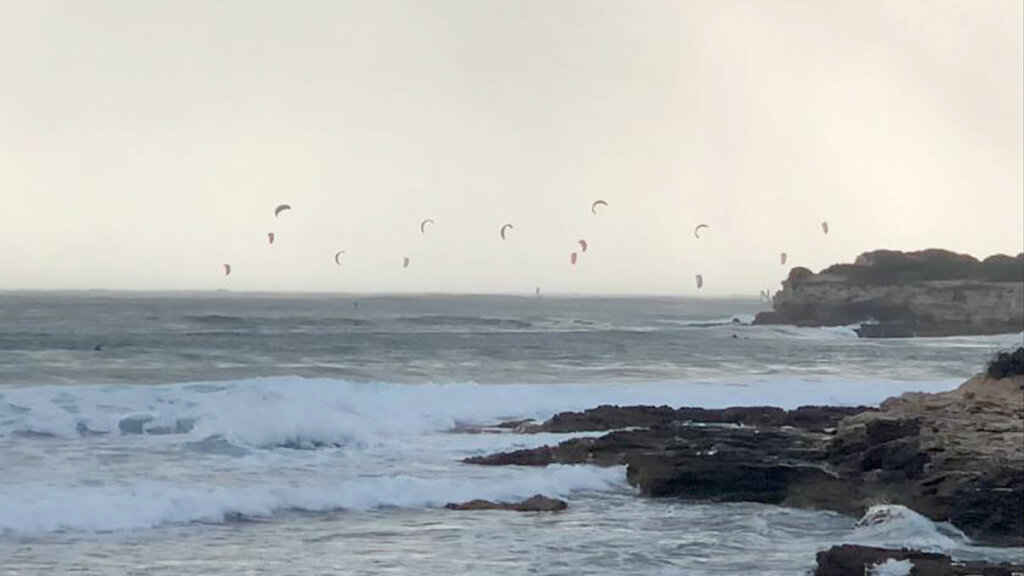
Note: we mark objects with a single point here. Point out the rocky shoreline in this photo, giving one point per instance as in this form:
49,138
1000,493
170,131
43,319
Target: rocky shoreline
902,294
956,456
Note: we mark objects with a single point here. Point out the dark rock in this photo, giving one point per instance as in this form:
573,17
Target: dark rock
527,457
1007,364
956,455
817,418
515,424
133,424
850,560
536,503
608,418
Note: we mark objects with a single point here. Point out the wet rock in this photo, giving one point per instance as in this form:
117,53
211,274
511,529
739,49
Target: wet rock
134,424
516,425
607,417
850,560
536,503
956,456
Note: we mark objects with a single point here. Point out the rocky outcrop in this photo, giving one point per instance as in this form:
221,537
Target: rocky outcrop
897,294
606,417
849,560
702,460
956,456
536,503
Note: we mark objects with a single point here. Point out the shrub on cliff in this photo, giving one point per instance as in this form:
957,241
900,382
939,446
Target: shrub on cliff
1003,268
1007,364
887,267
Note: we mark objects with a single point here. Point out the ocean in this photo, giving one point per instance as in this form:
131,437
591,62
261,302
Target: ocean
227,433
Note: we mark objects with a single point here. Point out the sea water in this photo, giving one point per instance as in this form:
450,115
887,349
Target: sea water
281,434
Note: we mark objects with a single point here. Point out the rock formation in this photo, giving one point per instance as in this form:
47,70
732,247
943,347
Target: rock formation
956,456
536,503
897,294
849,560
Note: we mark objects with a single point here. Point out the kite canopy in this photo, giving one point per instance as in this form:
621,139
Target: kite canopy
505,229
824,227
337,257
270,237
593,207
281,208
423,225
227,269
782,258
700,281
572,258
696,231
583,245
405,262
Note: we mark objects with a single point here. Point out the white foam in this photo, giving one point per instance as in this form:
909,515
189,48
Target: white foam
295,411
889,526
892,567
812,332
40,509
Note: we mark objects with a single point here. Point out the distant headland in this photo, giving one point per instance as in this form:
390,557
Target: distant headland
901,294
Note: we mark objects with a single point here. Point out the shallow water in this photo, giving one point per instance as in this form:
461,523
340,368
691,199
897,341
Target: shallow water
232,434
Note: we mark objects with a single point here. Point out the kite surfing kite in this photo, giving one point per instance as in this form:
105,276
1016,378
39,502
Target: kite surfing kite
782,258
270,237
423,225
700,281
593,207
505,229
572,258
337,257
405,262
824,227
696,231
227,269
583,245
281,208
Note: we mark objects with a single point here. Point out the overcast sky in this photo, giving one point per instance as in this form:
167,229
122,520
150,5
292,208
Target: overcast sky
145,143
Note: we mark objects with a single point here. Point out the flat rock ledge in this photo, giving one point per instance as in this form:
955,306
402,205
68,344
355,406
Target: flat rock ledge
536,503
850,560
956,456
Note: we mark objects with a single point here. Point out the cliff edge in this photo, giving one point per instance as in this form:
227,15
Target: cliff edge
901,294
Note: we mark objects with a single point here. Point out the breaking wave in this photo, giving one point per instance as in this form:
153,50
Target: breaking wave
300,412
40,509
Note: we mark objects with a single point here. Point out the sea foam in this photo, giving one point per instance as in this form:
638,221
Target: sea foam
299,412
39,509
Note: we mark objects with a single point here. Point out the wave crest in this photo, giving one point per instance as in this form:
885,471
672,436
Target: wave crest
145,505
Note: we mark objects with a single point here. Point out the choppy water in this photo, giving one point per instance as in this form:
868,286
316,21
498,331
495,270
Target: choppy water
227,434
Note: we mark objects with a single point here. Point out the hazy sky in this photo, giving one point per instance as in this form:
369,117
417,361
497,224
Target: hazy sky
144,143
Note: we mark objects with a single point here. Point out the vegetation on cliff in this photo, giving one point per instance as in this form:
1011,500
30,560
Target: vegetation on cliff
887,267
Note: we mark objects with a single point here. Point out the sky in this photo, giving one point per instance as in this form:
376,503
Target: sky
145,144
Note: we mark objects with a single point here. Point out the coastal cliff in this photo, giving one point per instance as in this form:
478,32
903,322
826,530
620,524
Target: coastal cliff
901,294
